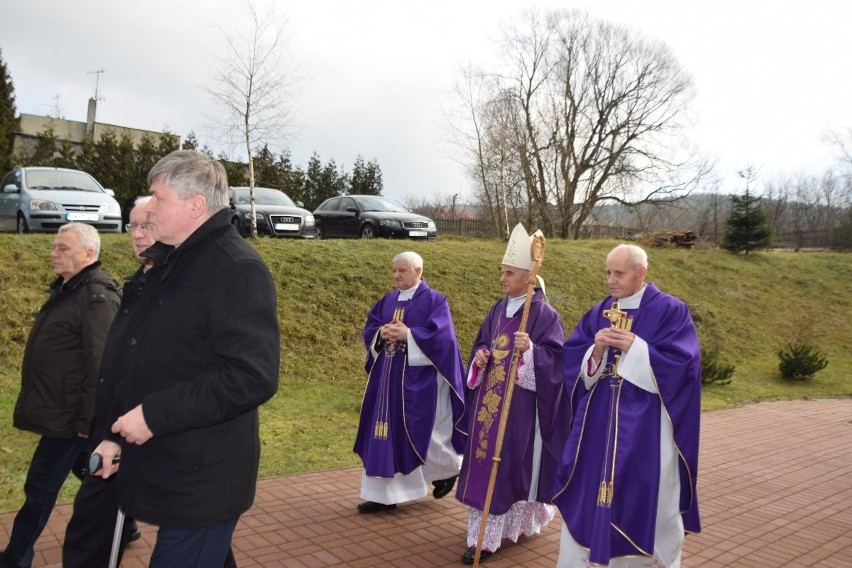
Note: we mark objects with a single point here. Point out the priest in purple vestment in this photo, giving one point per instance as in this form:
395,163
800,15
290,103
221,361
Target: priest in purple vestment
626,486
410,434
538,415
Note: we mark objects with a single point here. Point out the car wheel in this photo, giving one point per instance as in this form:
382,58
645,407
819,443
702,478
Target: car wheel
319,234
368,232
22,224
237,225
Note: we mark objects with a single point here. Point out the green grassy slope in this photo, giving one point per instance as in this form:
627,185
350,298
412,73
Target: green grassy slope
746,306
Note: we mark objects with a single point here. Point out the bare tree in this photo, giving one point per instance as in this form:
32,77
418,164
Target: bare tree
253,86
597,114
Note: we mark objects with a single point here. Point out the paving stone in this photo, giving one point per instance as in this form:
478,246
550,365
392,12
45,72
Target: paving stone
773,485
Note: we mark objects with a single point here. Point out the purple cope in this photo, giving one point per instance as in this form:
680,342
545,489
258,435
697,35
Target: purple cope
626,525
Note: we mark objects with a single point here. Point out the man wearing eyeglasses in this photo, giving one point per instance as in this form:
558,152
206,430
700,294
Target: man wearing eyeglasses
89,534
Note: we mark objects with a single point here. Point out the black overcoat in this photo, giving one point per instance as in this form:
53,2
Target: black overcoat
200,353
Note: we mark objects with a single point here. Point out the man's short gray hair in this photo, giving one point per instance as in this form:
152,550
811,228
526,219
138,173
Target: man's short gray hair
188,173
636,254
142,200
86,234
413,259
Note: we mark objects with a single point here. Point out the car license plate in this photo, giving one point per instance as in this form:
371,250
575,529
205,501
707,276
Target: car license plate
416,233
286,227
82,216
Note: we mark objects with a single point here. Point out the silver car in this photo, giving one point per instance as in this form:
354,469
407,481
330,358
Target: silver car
43,199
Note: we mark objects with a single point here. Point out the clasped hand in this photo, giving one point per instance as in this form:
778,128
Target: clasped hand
612,337
394,331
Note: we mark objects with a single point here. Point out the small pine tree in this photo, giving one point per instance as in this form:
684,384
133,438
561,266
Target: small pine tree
800,361
747,226
713,370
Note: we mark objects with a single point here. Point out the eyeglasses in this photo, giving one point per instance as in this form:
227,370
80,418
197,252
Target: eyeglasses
131,226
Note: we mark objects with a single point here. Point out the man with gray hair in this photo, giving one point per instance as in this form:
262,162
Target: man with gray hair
59,376
202,355
410,433
627,479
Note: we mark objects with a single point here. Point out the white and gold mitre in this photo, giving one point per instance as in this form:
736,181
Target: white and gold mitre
518,251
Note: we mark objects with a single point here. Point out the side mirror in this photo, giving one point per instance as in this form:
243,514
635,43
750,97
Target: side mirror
352,210
109,192
10,188
300,204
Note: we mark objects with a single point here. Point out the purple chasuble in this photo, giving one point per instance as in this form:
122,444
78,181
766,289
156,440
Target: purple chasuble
398,410
615,435
485,403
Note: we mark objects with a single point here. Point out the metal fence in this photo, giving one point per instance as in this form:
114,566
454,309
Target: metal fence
466,227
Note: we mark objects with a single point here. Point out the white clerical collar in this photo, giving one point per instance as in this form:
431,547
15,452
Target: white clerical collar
407,294
632,302
514,304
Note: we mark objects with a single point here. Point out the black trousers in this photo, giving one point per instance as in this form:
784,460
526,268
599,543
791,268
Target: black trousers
88,536
52,460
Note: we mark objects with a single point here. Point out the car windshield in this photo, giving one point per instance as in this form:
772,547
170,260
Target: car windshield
59,179
381,204
263,197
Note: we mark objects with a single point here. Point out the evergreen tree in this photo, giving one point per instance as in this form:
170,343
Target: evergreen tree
747,226
168,143
190,142
366,177
237,171
293,179
105,167
267,172
313,180
45,149
8,118
147,155
333,181
66,156
123,181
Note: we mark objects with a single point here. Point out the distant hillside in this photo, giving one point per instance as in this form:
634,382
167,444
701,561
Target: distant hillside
747,307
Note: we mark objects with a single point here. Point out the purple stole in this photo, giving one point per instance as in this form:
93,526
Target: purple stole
608,481
485,402
398,410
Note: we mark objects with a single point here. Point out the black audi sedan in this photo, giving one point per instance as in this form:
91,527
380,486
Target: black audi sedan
370,216
277,215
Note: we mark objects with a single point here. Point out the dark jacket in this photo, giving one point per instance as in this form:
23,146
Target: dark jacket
112,361
63,354
200,353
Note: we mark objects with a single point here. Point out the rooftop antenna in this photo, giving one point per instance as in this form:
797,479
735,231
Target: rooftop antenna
97,75
55,106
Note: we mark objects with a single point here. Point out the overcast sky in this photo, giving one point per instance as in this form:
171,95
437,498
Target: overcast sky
772,76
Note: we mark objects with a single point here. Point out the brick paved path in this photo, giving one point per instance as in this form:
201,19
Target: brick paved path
775,488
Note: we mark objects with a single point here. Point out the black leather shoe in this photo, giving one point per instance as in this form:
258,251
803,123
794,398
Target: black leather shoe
470,554
444,486
368,507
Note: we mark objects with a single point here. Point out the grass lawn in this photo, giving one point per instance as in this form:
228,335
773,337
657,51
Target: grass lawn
746,307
